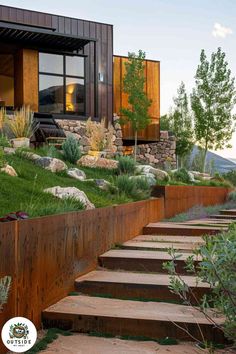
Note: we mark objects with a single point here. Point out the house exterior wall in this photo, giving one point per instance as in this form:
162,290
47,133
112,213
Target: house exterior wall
99,54
152,89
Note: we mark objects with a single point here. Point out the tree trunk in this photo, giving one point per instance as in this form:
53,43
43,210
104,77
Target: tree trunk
135,144
204,160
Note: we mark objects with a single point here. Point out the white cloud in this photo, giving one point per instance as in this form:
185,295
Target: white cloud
220,31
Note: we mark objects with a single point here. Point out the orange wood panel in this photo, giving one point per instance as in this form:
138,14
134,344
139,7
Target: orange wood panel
152,88
26,79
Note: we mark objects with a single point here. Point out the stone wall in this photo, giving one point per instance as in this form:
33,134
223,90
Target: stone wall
160,154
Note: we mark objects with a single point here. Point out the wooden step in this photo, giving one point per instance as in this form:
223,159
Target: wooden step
125,317
228,212
124,285
143,261
221,216
145,245
160,228
197,240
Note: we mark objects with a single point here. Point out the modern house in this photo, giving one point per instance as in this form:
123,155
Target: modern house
66,67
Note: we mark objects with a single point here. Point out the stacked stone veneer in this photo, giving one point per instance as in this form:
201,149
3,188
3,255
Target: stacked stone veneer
160,154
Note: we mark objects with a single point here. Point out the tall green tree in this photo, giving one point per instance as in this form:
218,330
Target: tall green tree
181,124
212,101
133,85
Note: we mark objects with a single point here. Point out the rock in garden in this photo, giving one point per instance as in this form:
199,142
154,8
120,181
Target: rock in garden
149,177
97,162
71,192
159,174
9,170
102,184
9,150
31,156
51,164
201,175
76,173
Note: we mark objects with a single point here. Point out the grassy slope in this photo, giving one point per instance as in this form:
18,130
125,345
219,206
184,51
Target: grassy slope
25,192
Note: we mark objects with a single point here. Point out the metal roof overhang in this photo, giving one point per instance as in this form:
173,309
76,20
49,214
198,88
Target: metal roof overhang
41,38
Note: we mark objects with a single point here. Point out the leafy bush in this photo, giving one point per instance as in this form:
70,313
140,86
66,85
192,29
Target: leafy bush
181,175
71,149
126,165
215,183
136,188
232,196
230,176
4,142
217,268
2,159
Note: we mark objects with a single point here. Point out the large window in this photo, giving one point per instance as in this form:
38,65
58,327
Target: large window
6,81
61,84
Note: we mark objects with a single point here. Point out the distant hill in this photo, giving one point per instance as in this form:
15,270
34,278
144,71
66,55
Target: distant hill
221,164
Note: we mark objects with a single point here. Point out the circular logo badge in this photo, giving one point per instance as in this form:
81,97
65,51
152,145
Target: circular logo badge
19,334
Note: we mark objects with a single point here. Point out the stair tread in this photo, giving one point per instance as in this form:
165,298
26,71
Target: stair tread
136,278
159,245
224,216
181,226
134,254
114,308
169,238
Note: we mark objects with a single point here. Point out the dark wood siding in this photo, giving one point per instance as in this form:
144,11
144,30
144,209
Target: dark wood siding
98,94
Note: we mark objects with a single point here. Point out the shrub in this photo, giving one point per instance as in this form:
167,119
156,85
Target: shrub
217,268
230,176
126,165
3,117
181,175
71,149
22,125
4,142
136,188
2,159
100,138
232,196
5,284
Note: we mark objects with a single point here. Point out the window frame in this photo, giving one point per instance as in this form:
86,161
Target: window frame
65,76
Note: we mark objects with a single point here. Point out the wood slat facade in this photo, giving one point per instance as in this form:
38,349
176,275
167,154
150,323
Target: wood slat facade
152,88
99,52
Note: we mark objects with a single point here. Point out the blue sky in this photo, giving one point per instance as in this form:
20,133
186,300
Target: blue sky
172,31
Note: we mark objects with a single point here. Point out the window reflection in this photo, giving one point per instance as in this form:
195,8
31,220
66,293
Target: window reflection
51,92
51,63
74,95
74,66
61,84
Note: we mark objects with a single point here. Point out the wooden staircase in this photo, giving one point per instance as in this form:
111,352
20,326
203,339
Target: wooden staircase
129,295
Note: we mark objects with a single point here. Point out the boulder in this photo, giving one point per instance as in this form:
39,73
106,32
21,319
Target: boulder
201,175
102,184
150,178
97,162
9,150
159,174
31,156
71,192
76,173
9,170
51,164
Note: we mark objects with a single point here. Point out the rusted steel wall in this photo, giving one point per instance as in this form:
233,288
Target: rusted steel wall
179,199
45,255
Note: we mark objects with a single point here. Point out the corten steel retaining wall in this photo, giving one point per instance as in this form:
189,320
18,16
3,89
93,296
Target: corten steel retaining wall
45,255
179,199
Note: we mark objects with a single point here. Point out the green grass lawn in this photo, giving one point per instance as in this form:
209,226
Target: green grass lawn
25,192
